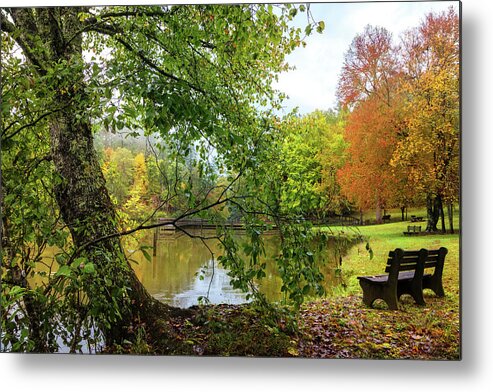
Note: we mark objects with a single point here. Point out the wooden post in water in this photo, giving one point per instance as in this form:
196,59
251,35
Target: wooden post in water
154,242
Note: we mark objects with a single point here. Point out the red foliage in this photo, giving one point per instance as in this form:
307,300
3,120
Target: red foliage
366,177
370,65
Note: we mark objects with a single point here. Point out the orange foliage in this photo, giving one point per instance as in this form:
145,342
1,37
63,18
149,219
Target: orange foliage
403,131
368,85
371,133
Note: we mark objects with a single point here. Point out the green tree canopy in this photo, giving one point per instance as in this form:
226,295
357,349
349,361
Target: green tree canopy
200,76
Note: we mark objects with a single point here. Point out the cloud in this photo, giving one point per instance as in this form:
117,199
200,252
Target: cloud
312,85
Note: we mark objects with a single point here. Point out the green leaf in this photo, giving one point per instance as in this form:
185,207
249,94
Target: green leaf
16,291
321,26
64,270
146,255
78,261
89,268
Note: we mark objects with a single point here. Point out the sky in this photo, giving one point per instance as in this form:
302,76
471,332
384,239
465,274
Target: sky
313,84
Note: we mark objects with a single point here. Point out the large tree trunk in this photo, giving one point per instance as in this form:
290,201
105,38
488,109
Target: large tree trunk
87,210
433,213
81,192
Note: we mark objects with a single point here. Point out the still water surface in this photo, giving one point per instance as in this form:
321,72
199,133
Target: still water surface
174,274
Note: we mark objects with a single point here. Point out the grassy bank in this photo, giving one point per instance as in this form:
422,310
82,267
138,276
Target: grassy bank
386,237
341,326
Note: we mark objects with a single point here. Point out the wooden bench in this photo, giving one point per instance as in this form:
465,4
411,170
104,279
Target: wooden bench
386,218
406,275
413,230
415,218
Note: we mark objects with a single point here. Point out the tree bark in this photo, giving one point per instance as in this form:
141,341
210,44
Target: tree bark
450,212
432,209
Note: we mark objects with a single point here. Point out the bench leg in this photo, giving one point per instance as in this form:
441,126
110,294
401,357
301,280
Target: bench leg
414,291
418,296
373,292
391,300
369,293
430,282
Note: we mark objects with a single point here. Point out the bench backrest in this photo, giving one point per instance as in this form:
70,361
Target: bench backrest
406,260
436,259
417,260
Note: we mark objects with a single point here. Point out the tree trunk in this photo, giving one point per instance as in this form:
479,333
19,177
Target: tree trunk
402,213
432,209
450,212
378,213
87,210
442,215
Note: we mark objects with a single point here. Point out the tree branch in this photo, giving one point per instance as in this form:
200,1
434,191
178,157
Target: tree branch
31,124
116,34
22,21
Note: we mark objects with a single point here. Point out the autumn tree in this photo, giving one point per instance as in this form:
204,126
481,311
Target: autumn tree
368,87
428,148
136,204
118,170
366,177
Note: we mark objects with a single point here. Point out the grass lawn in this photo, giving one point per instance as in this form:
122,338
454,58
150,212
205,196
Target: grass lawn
385,237
341,326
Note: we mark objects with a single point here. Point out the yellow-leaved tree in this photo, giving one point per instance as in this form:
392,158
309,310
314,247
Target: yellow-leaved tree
136,205
429,145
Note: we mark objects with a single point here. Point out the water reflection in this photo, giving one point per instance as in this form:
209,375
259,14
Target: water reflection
212,282
185,269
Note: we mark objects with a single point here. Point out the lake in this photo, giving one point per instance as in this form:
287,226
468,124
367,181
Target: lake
184,270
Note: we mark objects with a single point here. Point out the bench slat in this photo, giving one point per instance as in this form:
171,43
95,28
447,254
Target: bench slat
431,253
404,267
407,253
